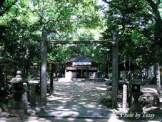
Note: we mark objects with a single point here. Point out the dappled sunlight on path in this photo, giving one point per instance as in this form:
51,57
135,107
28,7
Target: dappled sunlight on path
76,99
75,102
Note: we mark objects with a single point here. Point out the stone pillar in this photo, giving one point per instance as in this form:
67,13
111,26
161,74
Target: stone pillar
158,84
25,98
124,97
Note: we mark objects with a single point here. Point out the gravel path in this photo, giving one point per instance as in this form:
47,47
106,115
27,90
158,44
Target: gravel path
76,99
75,102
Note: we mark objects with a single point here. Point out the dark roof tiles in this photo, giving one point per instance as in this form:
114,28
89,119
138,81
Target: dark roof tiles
80,59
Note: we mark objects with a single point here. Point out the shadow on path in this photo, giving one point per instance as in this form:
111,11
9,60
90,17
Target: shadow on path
76,99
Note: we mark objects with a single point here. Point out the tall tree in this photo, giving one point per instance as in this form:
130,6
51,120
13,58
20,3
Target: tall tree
137,22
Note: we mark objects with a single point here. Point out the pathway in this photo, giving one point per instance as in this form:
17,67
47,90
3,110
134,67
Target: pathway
76,99
75,102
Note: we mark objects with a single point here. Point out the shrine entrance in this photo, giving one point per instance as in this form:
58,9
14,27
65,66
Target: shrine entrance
43,82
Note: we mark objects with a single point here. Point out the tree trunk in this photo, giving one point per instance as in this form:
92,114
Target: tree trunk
43,68
114,70
158,78
51,79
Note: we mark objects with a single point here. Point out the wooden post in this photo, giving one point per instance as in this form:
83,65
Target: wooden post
43,68
114,70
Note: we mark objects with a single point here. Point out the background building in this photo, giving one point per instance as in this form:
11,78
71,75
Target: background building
81,67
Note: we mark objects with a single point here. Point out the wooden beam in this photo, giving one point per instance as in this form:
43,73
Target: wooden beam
80,42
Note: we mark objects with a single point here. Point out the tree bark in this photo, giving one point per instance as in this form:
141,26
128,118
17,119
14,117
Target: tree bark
114,70
43,68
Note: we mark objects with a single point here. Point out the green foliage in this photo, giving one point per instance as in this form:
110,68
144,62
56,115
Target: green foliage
138,38
74,20
4,87
137,30
5,6
22,27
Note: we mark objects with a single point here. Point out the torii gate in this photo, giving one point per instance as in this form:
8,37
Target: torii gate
43,81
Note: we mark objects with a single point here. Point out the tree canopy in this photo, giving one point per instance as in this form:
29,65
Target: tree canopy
137,22
139,31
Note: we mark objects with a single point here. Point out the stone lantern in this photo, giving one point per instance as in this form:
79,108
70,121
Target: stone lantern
17,79
19,95
135,92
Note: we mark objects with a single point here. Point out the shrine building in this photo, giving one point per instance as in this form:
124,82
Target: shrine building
81,67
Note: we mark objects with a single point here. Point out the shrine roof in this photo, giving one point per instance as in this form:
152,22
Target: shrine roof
80,59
